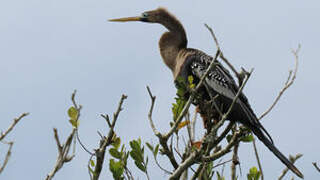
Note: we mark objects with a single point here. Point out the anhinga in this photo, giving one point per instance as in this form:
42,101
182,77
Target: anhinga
184,62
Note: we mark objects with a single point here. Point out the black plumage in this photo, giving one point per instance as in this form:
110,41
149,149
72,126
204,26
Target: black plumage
220,84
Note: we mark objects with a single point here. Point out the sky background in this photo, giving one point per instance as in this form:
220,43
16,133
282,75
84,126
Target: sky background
49,48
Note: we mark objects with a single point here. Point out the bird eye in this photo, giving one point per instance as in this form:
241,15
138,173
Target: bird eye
145,15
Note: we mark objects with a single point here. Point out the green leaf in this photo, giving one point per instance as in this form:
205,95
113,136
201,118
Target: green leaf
248,138
136,156
115,153
74,123
116,143
190,80
116,168
91,171
253,174
135,145
149,146
140,166
147,160
92,163
156,150
178,107
73,113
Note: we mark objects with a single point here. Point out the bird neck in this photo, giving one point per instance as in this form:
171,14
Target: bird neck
172,42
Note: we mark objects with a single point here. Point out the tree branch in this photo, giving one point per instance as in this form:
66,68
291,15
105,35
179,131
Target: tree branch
288,83
106,141
15,121
257,157
153,99
63,152
6,160
221,54
235,161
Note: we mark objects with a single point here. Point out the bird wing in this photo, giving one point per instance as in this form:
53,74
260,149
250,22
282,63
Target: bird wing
220,81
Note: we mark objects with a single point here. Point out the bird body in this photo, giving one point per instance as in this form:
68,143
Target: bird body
219,84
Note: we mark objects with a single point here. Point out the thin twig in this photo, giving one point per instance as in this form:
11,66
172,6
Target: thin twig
106,141
63,152
153,99
292,160
82,145
6,160
289,82
162,140
225,150
222,163
221,53
163,169
257,157
316,166
221,137
15,121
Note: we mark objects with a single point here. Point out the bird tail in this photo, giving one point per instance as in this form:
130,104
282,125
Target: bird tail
257,131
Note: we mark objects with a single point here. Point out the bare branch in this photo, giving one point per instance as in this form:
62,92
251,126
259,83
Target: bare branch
63,152
288,83
316,166
6,160
15,121
106,141
221,53
153,99
292,160
257,157
3,135
106,117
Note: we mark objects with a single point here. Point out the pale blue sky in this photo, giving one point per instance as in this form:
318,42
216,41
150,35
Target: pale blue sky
49,48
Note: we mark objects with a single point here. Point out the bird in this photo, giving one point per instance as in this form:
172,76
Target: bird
185,62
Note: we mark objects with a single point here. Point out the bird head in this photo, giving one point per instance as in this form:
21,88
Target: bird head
155,16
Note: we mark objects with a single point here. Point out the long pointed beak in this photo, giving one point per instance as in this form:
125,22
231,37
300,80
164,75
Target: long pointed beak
126,19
